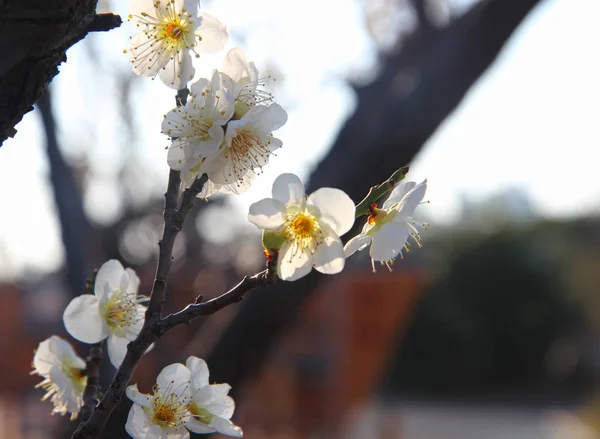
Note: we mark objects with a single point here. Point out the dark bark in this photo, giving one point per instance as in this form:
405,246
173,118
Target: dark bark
34,37
416,90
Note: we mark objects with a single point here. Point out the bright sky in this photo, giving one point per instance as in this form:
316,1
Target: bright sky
540,99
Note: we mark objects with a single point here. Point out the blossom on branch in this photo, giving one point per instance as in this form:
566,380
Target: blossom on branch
113,311
211,407
163,414
197,128
310,227
182,400
170,30
388,229
64,375
245,80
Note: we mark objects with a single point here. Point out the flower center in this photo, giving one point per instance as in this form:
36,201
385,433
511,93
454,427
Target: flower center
120,311
247,151
201,414
174,31
304,231
76,375
169,411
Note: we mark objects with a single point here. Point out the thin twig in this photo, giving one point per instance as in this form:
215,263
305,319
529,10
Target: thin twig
235,295
376,192
92,371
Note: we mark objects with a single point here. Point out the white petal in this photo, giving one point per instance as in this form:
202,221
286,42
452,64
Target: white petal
133,282
136,396
199,372
196,426
329,257
51,352
144,62
357,243
235,64
288,189
412,199
222,407
117,348
139,425
213,33
110,273
214,399
266,214
83,320
176,156
336,208
272,118
178,71
388,241
225,426
175,378
398,193
292,264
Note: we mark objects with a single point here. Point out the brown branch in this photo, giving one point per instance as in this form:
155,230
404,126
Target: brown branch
174,217
172,227
235,295
92,371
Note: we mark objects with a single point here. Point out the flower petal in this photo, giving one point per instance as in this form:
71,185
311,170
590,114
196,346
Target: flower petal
336,208
236,66
222,407
292,264
357,243
83,321
213,33
139,425
412,199
272,117
388,241
110,273
178,71
199,372
51,352
225,426
266,214
196,426
398,193
136,396
288,189
329,257
117,348
175,378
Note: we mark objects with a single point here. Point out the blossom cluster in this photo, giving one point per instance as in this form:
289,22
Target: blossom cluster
306,230
182,400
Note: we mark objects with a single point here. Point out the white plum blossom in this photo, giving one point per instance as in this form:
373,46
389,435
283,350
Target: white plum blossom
164,413
245,81
64,375
169,31
211,407
388,229
113,311
310,226
247,146
197,128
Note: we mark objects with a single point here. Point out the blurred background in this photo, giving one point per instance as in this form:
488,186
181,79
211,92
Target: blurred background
487,332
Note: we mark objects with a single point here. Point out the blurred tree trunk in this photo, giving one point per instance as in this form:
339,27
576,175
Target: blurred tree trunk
74,226
417,89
